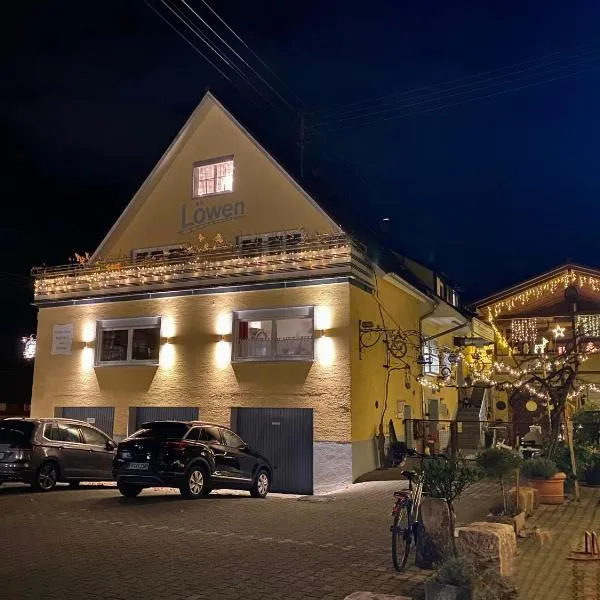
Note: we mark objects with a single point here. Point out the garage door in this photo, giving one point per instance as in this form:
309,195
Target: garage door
102,417
143,414
285,437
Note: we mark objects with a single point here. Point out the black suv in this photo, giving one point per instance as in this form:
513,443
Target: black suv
195,457
44,451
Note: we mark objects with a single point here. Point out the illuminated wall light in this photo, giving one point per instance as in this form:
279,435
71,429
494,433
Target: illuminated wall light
325,351
322,318
224,324
167,356
89,332
222,354
167,327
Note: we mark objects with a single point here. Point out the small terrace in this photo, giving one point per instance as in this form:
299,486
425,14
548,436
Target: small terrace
306,258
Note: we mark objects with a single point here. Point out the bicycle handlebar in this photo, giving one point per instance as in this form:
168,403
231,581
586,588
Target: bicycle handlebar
414,453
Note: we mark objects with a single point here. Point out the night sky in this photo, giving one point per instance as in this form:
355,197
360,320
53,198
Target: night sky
492,190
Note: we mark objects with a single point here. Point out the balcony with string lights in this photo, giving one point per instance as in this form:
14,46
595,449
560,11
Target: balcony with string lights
314,257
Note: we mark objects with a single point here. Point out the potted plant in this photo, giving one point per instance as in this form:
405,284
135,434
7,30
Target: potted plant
443,482
543,475
501,464
591,469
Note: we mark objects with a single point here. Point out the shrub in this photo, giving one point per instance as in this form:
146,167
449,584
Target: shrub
448,479
539,468
586,426
583,455
499,463
456,571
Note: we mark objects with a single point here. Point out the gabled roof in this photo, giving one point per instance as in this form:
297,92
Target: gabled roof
178,142
535,281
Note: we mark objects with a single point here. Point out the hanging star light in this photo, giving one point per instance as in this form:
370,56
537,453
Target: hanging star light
29,347
559,332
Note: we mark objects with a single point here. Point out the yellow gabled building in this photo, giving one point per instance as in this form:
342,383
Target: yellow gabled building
225,292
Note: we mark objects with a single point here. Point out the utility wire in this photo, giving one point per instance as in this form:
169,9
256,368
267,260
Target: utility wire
421,89
288,104
444,97
468,100
206,58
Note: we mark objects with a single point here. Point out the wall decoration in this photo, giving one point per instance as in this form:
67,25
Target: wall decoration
501,405
541,348
29,347
62,339
559,332
588,325
524,330
531,406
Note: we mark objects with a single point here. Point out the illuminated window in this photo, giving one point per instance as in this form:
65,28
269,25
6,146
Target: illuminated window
128,341
274,240
213,177
431,356
279,334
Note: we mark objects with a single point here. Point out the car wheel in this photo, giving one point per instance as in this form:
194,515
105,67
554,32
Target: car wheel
196,483
45,477
74,484
260,486
129,490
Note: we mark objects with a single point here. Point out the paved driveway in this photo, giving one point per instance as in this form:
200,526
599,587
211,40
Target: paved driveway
91,543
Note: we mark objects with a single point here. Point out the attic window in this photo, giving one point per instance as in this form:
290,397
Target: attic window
213,177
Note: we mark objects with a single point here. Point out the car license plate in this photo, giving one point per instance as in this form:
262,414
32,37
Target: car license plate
138,466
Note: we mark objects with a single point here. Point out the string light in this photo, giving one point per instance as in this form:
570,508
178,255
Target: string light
29,347
315,253
559,332
589,325
524,330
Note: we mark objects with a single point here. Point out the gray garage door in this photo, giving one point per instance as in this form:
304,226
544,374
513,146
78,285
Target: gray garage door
102,417
143,414
285,437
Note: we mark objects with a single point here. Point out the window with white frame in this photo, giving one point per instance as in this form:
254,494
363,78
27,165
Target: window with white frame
431,357
128,341
213,177
274,334
140,254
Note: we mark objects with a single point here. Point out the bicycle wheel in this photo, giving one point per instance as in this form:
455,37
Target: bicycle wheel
401,538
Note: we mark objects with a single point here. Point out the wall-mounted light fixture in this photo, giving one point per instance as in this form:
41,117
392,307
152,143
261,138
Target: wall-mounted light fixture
322,320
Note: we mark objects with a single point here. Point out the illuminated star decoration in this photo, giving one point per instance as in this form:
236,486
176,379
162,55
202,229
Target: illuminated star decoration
559,332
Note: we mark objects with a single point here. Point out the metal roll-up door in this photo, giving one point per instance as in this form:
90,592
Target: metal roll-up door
102,417
143,414
285,437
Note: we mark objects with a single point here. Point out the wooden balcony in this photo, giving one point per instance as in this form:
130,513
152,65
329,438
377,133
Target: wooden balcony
309,258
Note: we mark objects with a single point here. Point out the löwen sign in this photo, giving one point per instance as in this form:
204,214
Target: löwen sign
202,214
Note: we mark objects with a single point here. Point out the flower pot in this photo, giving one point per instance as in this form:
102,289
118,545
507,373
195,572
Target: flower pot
434,590
551,491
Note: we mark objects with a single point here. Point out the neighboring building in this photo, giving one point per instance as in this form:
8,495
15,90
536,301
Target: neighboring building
535,317
225,292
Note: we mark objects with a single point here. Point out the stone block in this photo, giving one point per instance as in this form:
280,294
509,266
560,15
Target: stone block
526,498
372,596
438,591
435,538
490,544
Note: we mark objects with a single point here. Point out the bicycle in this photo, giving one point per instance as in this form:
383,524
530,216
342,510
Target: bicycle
406,511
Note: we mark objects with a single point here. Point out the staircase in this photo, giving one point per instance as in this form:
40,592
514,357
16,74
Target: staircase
469,439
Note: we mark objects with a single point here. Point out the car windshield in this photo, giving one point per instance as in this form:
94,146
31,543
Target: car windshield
162,431
15,433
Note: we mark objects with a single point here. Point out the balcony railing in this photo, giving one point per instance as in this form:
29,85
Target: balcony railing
317,256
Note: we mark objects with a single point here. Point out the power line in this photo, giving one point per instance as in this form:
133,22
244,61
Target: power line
468,100
206,24
206,58
444,97
476,76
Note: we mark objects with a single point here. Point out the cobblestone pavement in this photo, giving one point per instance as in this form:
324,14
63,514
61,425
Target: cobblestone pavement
543,568
92,544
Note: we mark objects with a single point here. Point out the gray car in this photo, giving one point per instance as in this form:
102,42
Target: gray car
42,452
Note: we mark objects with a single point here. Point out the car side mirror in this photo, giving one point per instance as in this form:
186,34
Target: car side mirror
110,445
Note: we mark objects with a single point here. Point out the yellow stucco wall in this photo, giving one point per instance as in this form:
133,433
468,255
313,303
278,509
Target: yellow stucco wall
196,377
368,374
271,201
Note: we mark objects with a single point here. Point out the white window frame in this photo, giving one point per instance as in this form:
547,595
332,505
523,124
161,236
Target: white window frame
130,325
214,163
431,349
272,314
279,240
155,252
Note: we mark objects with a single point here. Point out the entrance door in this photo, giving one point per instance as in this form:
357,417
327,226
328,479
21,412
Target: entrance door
285,437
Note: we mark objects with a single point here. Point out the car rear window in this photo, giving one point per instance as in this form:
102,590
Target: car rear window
17,433
162,431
